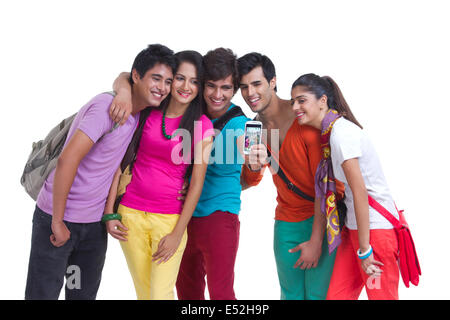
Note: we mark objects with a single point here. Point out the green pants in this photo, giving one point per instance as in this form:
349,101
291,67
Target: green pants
295,283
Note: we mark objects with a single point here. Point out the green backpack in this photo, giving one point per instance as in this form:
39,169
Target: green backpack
44,156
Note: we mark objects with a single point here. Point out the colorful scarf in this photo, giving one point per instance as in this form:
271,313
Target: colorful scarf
325,183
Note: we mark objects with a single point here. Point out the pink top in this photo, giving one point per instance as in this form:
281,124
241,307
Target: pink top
159,170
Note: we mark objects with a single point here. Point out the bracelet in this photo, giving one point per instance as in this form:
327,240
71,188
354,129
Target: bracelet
366,254
111,216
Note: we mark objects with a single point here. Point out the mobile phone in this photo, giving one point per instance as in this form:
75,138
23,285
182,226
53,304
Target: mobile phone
252,134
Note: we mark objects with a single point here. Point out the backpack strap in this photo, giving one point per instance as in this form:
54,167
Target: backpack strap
116,124
234,112
219,124
382,210
130,155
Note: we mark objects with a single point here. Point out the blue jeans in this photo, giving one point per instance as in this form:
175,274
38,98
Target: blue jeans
80,260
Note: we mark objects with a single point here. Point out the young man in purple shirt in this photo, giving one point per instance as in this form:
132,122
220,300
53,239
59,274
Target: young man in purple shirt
67,233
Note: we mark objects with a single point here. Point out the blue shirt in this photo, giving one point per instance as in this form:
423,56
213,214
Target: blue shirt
222,186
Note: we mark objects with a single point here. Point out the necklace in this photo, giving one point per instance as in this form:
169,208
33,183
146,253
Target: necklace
163,128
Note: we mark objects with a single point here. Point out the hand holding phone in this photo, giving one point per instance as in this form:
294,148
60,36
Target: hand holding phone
252,135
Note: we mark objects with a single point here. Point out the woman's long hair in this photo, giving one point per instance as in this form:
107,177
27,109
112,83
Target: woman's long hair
325,85
197,106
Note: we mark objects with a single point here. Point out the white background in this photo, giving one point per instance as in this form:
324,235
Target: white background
389,57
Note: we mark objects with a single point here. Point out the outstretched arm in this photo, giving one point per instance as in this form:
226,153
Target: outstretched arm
254,166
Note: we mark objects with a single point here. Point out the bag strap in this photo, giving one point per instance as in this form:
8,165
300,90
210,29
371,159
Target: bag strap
130,155
116,125
286,180
234,112
292,186
219,124
385,213
289,184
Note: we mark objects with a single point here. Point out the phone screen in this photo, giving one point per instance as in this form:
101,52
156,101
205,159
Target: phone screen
252,136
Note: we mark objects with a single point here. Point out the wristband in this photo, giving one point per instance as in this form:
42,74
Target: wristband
111,216
366,254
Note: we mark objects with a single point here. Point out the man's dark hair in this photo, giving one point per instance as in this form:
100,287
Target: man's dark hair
152,55
254,59
219,64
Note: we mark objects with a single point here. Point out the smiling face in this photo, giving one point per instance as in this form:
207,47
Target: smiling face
307,107
154,86
218,95
256,90
185,83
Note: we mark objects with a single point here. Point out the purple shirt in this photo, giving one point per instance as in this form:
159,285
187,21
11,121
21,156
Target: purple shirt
87,197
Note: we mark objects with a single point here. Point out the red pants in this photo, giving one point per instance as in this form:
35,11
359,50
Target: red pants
348,278
210,251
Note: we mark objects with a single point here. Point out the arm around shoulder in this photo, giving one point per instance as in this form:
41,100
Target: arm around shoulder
121,105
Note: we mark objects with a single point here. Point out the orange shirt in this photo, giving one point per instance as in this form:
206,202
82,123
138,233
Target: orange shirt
299,156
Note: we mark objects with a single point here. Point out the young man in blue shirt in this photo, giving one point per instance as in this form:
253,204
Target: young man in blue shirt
213,232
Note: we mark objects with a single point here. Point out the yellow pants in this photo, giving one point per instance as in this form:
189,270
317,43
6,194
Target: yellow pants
152,281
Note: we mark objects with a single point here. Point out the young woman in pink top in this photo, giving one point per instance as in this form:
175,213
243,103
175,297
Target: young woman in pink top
153,226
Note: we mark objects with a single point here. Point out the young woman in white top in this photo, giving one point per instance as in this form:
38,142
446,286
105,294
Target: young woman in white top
367,245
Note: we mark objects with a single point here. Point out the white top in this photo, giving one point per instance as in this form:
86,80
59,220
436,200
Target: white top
348,141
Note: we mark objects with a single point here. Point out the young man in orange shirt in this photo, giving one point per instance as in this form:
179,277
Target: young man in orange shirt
304,265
